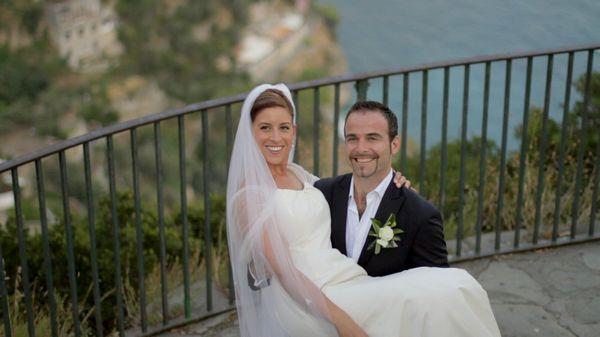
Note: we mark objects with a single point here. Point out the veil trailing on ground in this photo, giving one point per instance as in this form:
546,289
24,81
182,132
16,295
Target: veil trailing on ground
257,245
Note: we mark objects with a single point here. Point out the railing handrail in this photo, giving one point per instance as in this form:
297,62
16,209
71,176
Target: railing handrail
215,103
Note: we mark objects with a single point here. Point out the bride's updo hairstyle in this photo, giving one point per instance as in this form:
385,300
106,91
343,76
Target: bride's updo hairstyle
268,99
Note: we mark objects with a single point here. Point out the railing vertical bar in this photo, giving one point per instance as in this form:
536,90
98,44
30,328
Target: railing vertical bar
184,218
405,92
69,235
39,174
229,145
463,146
361,86
592,229
22,252
482,158
92,234
207,229
444,165
336,118
386,88
116,234
296,99
522,154
316,129
228,132
498,226
561,156
542,159
139,237
582,143
423,144
4,298
161,223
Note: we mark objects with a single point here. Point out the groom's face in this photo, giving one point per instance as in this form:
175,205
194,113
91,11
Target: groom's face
368,144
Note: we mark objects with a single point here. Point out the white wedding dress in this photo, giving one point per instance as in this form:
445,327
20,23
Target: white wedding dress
419,302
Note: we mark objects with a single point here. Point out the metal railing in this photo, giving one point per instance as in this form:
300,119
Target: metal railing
124,142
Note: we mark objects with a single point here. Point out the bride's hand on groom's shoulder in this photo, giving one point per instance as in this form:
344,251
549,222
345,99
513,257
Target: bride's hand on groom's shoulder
401,180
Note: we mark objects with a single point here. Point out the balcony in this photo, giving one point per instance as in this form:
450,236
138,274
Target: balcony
122,230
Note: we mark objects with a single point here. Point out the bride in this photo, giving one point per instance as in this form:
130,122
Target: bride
279,230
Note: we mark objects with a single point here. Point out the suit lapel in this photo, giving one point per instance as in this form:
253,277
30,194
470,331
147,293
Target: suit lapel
339,214
392,200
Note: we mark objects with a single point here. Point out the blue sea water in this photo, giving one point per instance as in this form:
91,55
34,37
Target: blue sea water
388,34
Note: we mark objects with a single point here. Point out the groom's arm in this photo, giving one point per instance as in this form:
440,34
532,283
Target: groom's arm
429,248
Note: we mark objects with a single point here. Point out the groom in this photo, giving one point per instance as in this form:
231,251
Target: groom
371,139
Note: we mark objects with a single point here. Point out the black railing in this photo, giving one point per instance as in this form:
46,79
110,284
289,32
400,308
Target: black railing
175,243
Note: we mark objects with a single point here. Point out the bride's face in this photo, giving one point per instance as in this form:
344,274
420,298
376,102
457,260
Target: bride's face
274,132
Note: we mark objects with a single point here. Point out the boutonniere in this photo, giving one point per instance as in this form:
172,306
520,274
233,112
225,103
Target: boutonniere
385,234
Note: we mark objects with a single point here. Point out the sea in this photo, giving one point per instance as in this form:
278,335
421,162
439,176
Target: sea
390,34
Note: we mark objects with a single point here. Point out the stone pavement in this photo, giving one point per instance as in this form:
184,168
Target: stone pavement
546,293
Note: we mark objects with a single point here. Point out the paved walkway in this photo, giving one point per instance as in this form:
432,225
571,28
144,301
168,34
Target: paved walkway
546,293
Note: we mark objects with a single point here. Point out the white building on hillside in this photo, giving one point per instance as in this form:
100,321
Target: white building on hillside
83,31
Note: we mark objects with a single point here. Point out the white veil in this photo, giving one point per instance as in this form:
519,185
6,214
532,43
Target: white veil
257,243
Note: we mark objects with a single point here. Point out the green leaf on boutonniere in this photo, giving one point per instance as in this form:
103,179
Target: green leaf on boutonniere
376,224
391,220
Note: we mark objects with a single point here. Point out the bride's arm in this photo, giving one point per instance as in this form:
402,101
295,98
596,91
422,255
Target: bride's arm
344,324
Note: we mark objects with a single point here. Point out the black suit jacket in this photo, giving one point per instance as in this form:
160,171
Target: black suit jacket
421,244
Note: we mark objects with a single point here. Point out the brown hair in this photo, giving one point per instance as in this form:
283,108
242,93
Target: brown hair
268,99
381,108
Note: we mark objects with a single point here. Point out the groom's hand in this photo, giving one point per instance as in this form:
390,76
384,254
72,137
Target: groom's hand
253,283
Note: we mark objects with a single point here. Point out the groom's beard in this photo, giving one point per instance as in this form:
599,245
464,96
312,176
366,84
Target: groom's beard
365,165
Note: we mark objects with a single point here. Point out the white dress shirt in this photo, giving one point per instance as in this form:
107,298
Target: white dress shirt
357,229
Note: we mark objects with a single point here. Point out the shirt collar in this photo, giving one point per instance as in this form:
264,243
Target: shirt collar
380,189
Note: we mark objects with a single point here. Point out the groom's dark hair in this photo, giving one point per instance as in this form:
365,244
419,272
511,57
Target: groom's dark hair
389,115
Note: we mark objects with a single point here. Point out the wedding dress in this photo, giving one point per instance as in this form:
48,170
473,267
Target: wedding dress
421,302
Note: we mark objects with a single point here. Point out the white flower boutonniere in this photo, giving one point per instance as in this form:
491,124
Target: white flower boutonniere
385,234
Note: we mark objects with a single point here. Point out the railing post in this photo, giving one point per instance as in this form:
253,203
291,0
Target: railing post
92,234
561,156
361,87
4,298
161,223
582,142
542,152
116,235
184,218
316,129
482,159
463,150
498,226
207,225
522,154
139,238
69,234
